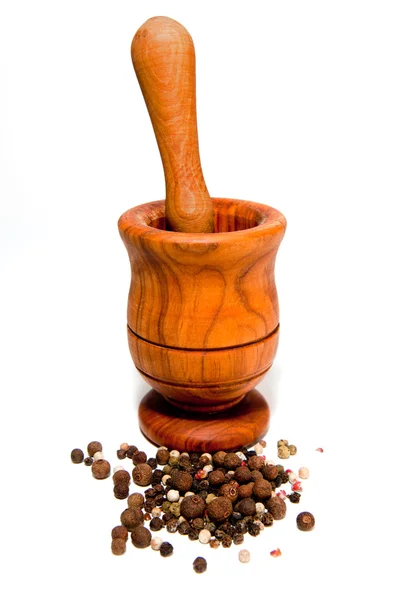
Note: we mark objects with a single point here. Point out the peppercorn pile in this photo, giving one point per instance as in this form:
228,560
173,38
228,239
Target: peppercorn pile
216,499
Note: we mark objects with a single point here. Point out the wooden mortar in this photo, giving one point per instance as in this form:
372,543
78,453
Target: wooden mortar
203,318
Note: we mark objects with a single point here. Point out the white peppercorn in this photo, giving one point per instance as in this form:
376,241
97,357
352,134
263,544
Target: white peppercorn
208,468
260,508
204,536
156,542
240,455
304,473
292,477
244,556
175,454
165,479
98,456
117,468
258,449
173,495
156,512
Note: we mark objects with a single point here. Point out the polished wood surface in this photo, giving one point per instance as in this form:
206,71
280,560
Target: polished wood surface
164,60
203,319
167,426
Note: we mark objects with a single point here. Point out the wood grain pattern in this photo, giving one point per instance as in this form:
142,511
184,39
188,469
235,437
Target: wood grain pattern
240,426
164,61
203,315
203,380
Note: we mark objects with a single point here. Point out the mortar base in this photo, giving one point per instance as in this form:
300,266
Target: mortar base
242,425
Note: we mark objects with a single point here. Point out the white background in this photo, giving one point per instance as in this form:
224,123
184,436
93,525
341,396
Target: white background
297,108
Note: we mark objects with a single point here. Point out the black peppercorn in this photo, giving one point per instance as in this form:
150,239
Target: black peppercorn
247,507
184,528
172,525
180,480
199,564
139,457
192,507
157,476
202,494
88,461
77,456
254,529
149,504
121,491
262,489
197,523
166,549
294,497
162,456
238,538
121,454
235,517
278,481
94,447
159,499
152,462
267,519
131,450
167,517
232,461
226,541
284,477
142,474
305,521
210,527
194,457
131,518
277,507
156,524
193,534
241,527
141,537
150,493
219,509
219,534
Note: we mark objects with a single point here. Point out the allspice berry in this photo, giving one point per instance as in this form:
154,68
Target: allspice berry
230,491
231,461
94,447
305,521
192,507
139,457
255,463
219,509
246,490
156,524
262,489
216,478
131,518
246,507
162,456
121,491
199,564
141,537
270,472
256,475
142,474
119,532
121,476
180,480
277,507
118,546
135,500
243,474
101,469
77,456
218,458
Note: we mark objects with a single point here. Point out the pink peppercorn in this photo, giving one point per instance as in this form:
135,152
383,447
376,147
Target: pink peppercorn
275,553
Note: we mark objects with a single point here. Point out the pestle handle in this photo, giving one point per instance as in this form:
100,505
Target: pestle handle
163,56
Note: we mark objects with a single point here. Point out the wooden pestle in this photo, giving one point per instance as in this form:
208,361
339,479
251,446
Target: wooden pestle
163,56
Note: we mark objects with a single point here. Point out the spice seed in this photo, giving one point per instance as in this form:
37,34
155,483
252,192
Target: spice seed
244,556
166,549
305,521
77,456
199,564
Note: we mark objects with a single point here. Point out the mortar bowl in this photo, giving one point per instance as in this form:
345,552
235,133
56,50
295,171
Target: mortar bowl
203,316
